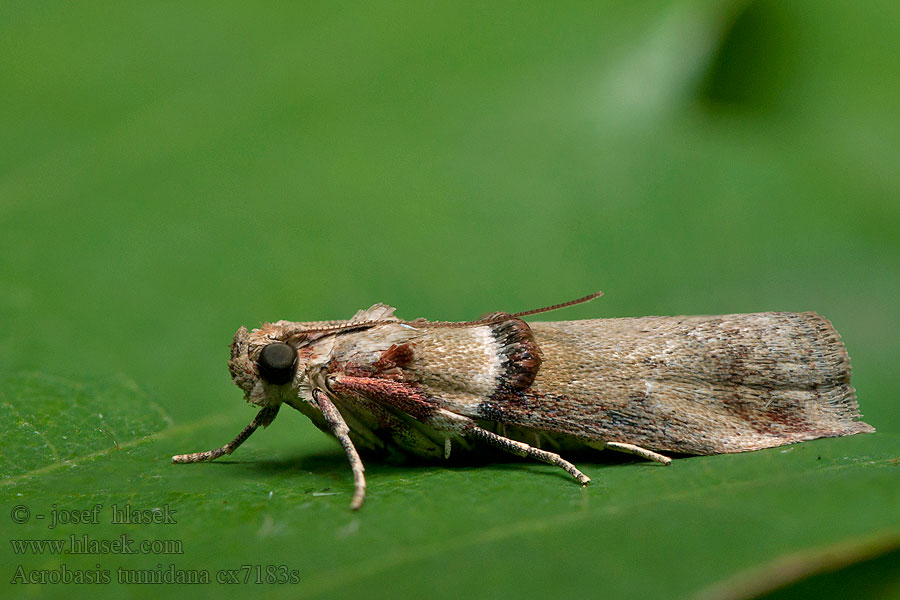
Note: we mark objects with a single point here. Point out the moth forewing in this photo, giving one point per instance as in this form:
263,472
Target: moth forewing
694,385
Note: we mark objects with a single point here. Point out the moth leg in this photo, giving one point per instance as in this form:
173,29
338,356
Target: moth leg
342,433
523,449
638,451
262,418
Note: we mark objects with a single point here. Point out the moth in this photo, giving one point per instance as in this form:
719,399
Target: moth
688,385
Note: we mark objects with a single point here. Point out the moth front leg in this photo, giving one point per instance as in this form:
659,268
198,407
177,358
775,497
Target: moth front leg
340,430
263,418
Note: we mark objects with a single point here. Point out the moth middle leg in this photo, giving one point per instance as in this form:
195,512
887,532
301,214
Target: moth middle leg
340,430
411,401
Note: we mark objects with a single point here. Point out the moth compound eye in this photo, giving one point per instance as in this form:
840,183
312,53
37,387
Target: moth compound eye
277,363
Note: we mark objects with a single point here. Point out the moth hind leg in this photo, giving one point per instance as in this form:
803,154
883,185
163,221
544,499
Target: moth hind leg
637,451
524,450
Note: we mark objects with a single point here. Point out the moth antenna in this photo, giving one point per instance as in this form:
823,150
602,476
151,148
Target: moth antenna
535,311
449,324
497,317
344,327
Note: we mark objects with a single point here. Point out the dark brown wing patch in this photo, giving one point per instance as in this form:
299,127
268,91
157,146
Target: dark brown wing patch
520,356
394,360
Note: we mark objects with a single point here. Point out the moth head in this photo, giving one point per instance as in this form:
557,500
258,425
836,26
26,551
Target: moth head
277,363
262,365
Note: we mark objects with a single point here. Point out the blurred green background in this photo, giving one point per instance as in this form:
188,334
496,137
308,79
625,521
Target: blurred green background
170,171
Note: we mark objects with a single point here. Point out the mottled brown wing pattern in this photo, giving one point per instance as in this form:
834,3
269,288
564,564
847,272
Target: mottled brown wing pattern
698,385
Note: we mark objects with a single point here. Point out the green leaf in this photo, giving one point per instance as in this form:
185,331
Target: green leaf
863,568
278,502
51,422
